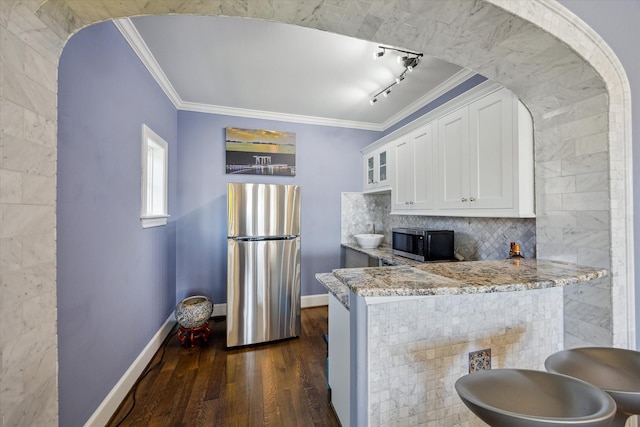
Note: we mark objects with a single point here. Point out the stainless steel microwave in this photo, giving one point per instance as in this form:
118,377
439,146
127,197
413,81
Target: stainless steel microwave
423,245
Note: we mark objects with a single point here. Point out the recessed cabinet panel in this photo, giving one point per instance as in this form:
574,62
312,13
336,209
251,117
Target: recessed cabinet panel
404,174
491,149
413,184
453,164
423,170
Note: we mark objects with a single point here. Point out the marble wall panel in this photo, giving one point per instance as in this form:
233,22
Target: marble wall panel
26,220
11,119
597,162
596,181
548,169
10,186
20,155
557,185
38,189
549,202
558,219
595,257
39,130
587,201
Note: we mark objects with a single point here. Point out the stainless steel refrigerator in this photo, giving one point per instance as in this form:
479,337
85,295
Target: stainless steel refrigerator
263,263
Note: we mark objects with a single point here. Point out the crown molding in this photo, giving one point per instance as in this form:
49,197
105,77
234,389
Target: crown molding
444,87
284,117
133,37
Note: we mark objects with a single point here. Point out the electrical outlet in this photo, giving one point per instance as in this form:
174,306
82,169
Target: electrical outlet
480,360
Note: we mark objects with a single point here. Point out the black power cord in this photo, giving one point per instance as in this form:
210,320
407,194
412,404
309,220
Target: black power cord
148,369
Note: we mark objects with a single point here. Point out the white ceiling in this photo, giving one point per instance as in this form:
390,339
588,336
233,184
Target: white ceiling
255,68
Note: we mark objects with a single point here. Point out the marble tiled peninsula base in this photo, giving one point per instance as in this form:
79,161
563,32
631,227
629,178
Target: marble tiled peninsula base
420,347
416,325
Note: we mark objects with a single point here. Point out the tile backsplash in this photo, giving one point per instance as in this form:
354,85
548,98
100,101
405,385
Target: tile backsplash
475,238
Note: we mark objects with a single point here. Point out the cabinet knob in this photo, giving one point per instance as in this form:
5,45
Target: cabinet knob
472,199
464,199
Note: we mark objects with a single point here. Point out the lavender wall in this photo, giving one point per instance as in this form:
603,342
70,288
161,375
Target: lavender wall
616,21
116,281
328,162
438,102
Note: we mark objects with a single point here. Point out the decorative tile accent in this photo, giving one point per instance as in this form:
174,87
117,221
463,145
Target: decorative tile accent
480,360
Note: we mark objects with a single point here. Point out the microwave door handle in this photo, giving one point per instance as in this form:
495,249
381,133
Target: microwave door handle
429,244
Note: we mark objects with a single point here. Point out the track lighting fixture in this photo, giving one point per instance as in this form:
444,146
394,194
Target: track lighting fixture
409,61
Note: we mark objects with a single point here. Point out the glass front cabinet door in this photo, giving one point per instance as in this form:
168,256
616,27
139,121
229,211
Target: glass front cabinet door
376,170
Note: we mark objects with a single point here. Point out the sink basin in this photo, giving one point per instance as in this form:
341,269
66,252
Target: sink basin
369,241
526,398
614,370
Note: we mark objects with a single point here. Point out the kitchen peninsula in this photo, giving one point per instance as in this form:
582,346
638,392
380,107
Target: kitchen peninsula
400,336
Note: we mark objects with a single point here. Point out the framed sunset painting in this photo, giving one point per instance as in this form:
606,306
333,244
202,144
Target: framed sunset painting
260,152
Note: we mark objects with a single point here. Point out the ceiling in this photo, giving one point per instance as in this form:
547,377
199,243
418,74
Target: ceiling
262,69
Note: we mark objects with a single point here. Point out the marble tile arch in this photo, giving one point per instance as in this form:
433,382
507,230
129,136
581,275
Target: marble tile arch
567,76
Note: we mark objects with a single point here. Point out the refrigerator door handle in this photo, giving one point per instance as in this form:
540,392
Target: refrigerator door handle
263,238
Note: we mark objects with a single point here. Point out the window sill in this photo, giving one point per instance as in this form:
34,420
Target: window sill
154,221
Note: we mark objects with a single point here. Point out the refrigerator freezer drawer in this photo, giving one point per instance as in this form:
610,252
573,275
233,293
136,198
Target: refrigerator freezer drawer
263,291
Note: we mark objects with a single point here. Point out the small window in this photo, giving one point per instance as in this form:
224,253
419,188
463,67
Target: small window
155,155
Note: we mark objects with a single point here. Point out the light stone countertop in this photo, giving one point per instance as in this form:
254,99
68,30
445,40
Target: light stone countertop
335,287
465,277
451,278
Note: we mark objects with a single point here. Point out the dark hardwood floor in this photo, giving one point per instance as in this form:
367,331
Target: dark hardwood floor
275,384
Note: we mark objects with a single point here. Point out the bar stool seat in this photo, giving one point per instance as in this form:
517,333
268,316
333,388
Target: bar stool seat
527,398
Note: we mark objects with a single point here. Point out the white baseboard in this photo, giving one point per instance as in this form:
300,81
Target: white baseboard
315,300
110,404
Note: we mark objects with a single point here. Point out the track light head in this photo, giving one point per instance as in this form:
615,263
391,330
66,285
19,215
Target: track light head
408,59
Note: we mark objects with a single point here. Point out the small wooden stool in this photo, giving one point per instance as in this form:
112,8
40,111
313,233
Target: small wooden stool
192,334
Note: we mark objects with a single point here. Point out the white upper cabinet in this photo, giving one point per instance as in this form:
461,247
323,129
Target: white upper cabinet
377,170
453,152
471,157
413,181
484,160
